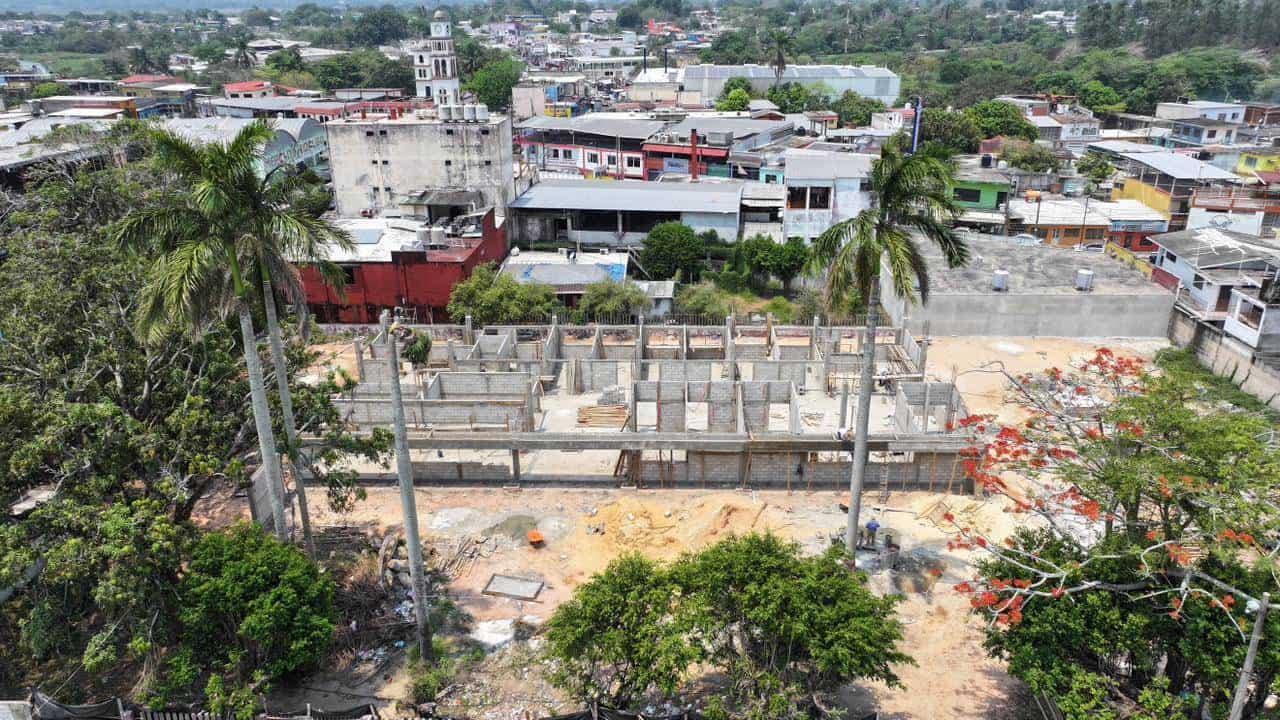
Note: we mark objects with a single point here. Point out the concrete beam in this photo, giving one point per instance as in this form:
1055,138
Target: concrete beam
701,442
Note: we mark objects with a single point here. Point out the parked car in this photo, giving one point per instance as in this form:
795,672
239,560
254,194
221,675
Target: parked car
1026,239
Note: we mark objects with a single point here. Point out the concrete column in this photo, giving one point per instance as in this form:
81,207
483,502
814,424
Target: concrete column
515,466
468,336
637,372
359,345
729,348
452,361
924,349
844,404
813,340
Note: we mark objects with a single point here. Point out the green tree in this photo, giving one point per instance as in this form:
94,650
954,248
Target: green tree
785,629
788,260
997,118
491,298
378,26
778,45
256,17
913,196
1161,470
492,83
287,60
735,101
276,608
612,299
134,434
737,83
1101,98
953,131
616,640
208,247
673,250
1095,167
1029,156
857,110
45,90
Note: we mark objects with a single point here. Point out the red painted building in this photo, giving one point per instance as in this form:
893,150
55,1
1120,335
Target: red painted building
390,268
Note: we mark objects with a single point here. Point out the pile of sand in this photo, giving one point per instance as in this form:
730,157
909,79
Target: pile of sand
654,528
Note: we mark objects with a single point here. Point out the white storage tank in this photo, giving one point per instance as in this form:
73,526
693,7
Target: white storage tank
1000,281
1084,280
482,112
445,112
437,236
422,235
469,113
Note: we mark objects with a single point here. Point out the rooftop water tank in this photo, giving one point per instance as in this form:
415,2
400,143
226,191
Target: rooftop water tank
1084,280
445,112
482,112
437,235
469,113
422,235
1000,281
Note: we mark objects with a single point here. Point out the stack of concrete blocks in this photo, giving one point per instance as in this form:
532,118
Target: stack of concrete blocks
613,395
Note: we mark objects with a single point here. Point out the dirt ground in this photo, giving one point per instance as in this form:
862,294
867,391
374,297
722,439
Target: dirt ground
585,529
972,361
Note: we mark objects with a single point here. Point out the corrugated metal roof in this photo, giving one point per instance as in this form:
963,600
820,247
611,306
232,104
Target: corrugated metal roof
717,197
632,128
1210,247
1179,167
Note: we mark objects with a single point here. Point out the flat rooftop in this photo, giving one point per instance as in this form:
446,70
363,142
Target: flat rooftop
1040,270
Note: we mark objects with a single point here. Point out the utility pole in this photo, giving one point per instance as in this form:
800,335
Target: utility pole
409,505
1246,672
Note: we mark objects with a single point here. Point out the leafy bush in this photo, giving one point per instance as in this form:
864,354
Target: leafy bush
785,630
673,248
417,349
613,299
252,610
490,298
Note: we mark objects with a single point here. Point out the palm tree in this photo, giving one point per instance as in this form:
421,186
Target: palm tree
242,57
778,46
209,243
912,198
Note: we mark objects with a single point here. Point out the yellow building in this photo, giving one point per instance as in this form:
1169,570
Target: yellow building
1261,160
1145,193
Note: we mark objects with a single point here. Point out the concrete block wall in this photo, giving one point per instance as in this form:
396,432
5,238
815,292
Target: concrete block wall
421,413
1227,358
802,471
671,407
453,385
598,374
722,407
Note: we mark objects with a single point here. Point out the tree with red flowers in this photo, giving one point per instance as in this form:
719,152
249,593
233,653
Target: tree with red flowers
1152,521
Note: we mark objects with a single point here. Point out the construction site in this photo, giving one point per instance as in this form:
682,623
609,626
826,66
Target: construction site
720,407
605,440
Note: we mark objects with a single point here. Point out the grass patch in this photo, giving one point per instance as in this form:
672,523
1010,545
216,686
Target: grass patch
1182,364
70,64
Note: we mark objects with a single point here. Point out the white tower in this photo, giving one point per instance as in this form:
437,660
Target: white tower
435,67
